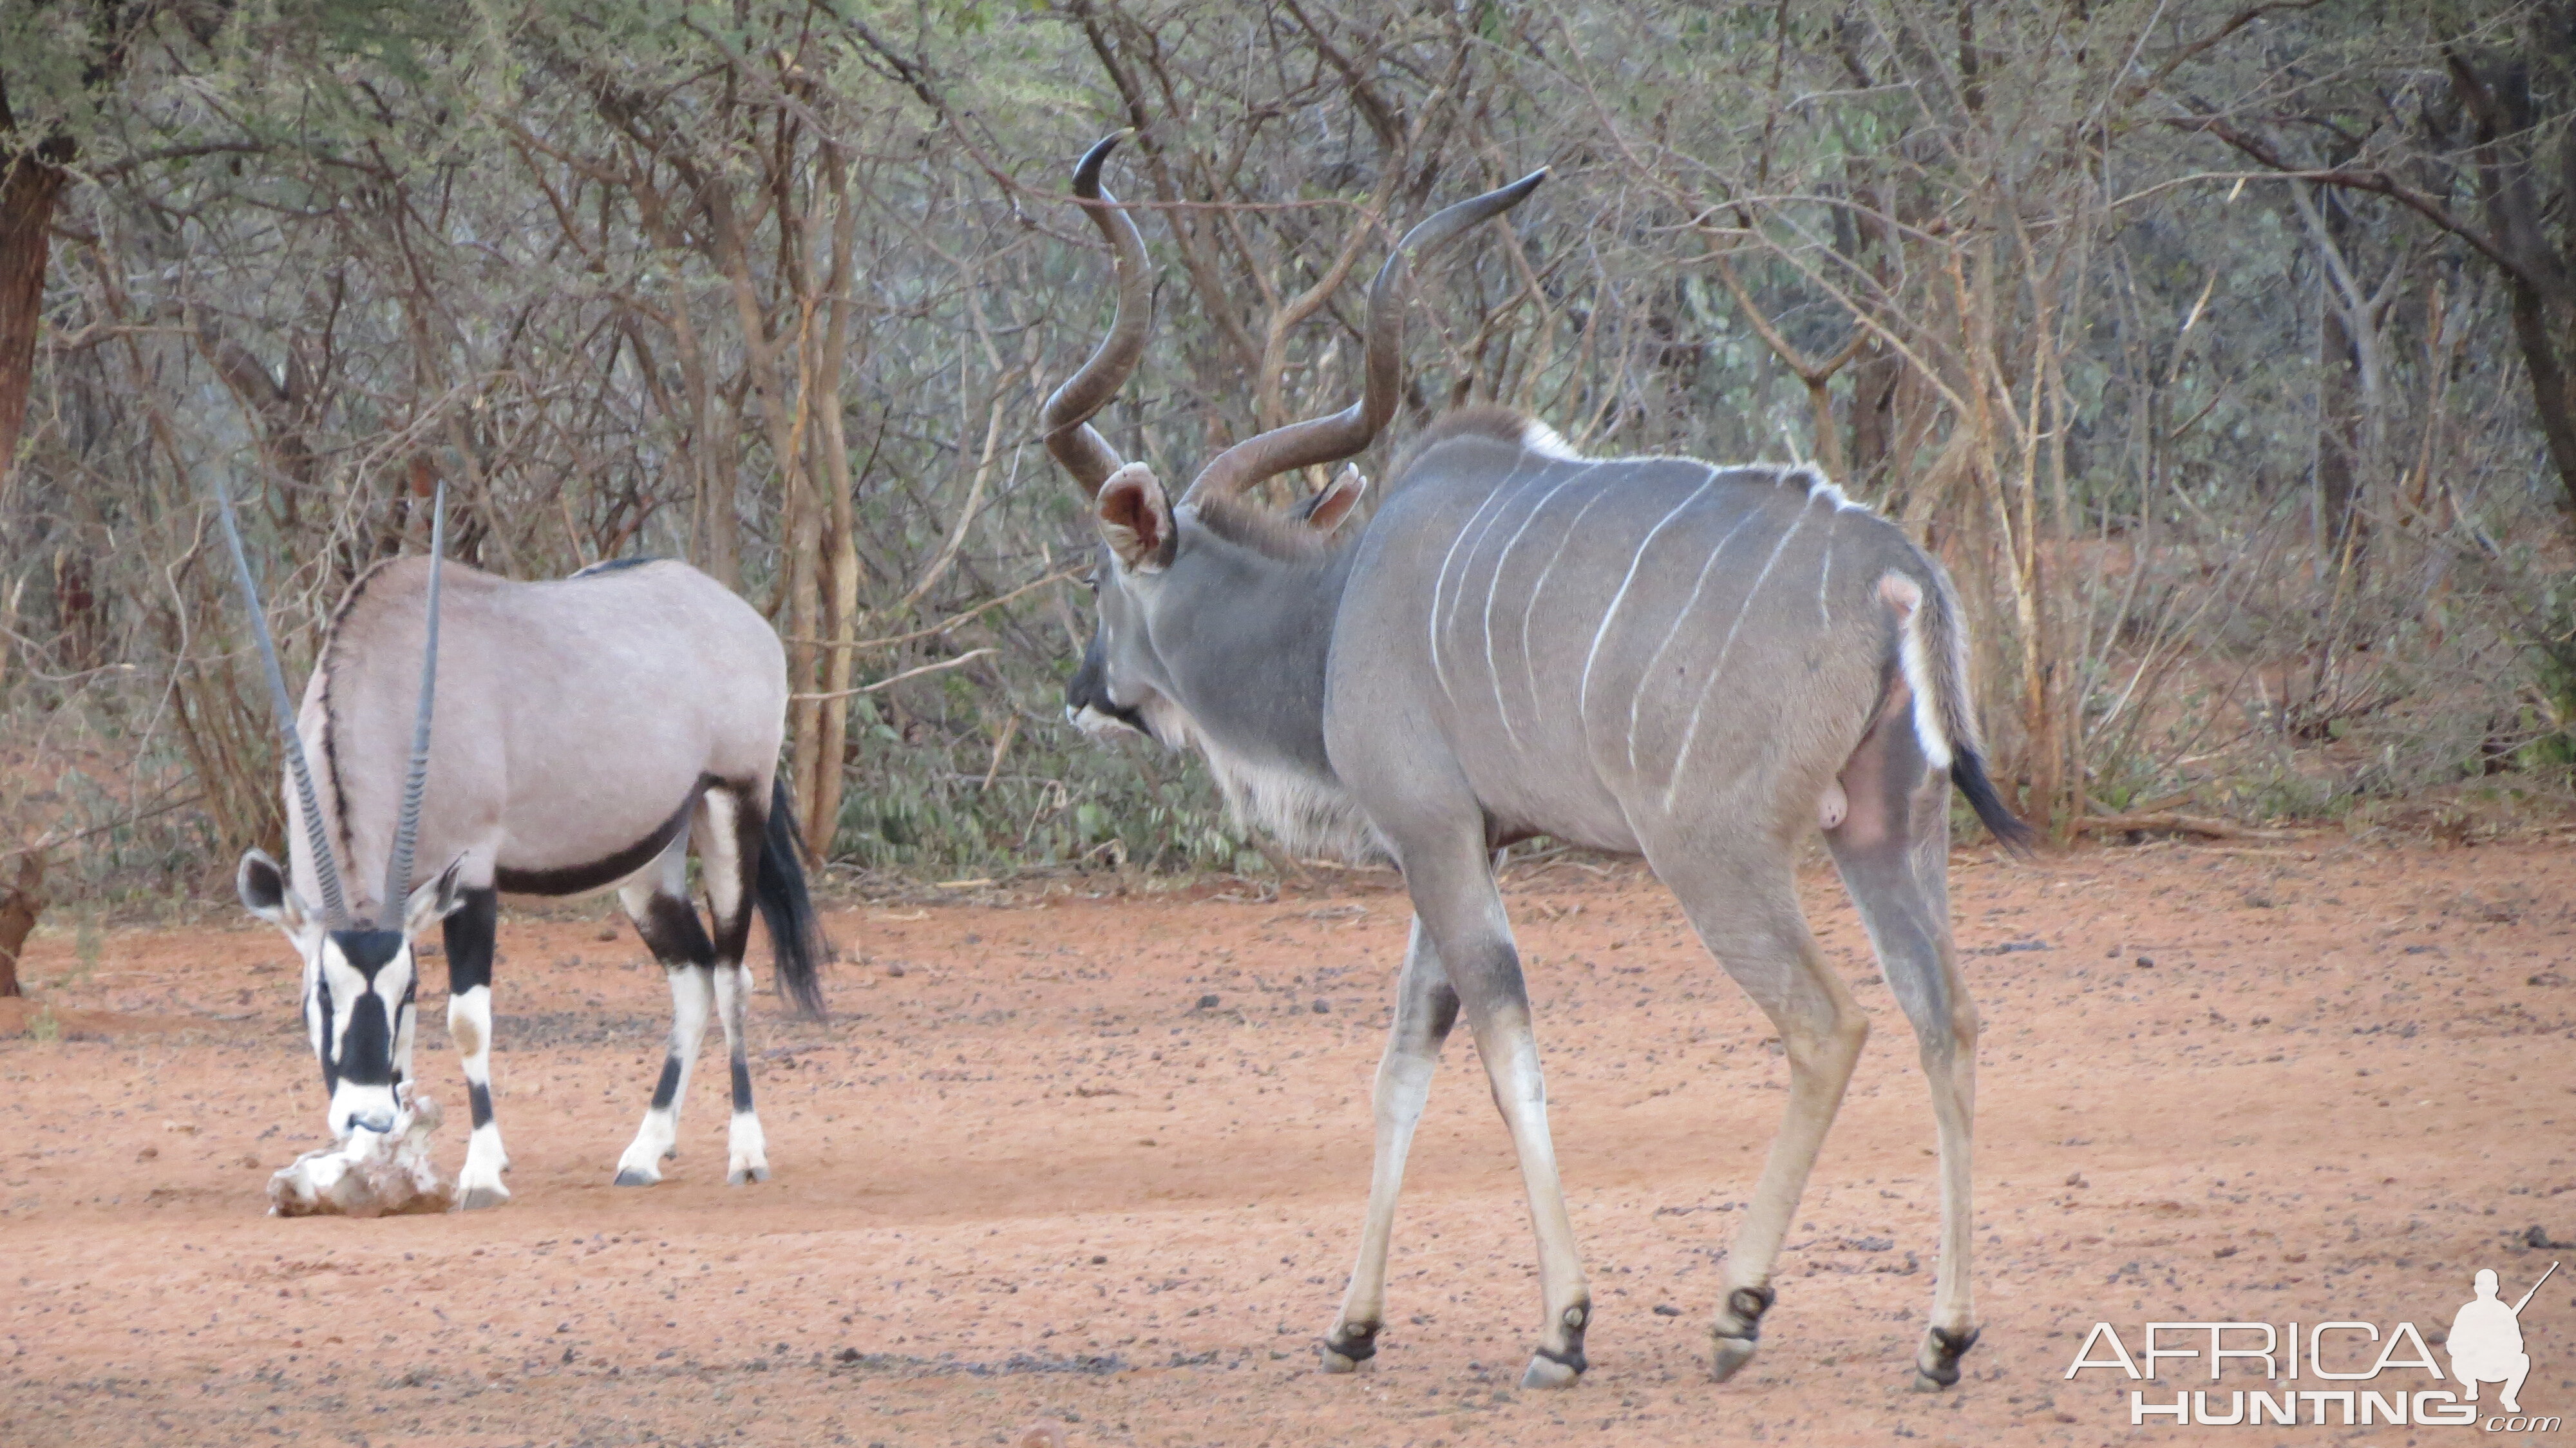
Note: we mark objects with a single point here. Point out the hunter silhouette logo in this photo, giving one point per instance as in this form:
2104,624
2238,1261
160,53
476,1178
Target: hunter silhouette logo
2363,1376
2486,1341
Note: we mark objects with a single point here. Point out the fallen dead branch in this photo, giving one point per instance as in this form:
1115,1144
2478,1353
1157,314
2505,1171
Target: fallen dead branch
2180,824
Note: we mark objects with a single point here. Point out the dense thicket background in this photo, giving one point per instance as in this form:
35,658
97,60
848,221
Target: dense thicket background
2220,349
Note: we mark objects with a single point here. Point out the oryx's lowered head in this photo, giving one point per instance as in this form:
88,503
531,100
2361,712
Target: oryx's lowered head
1167,557
360,976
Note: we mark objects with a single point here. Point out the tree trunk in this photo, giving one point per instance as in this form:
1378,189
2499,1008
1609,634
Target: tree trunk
2551,396
27,196
21,901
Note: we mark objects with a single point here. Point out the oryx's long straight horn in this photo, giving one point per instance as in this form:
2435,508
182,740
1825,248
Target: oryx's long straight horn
326,866
407,827
1331,439
1068,413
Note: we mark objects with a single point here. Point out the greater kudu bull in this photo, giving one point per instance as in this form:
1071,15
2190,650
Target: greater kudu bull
588,729
1695,663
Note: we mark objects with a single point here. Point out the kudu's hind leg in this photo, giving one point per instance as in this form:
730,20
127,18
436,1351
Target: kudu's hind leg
1746,911
1425,1009
1454,896
730,824
658,902
469,936
1894,854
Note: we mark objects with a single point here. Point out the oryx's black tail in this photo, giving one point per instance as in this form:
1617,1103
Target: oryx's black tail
795,935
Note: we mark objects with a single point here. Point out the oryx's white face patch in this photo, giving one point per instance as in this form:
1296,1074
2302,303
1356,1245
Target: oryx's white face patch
359,995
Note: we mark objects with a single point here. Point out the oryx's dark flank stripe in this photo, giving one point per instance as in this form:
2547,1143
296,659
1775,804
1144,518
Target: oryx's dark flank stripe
601,873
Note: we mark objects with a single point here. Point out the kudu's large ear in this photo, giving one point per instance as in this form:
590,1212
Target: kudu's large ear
1136,519
435,900
1329,507
265,893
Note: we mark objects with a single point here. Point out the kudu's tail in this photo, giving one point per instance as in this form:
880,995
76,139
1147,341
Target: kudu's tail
1934,655
795,935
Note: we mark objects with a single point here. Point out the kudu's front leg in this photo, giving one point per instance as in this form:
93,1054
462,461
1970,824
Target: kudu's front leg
1425,1009
469,935
1455,896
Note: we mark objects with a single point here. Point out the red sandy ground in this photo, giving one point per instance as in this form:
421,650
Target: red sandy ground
1031,1177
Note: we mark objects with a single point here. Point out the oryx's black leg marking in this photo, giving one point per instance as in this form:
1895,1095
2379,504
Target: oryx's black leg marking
658,904
470,934
670,927
668,1087
735,821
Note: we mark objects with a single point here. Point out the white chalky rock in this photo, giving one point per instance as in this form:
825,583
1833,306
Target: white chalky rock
372,1174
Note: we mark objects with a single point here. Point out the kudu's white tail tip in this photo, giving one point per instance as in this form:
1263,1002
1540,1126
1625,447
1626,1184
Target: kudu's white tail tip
1914,656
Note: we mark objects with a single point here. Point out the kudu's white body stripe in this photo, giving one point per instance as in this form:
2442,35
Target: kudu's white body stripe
1583,691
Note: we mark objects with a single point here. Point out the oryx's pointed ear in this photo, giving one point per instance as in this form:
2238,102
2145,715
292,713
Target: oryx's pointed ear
1136,519
1334,504
435,900
265,893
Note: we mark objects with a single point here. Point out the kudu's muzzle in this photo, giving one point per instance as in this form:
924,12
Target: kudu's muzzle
1088,695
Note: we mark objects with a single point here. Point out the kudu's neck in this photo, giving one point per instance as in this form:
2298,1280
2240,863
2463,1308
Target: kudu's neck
1244,641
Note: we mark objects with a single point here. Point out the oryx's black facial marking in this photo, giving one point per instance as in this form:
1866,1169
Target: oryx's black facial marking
360,1050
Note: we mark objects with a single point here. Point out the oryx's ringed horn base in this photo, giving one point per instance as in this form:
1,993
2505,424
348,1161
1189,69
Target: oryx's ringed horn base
1068,413
1331,439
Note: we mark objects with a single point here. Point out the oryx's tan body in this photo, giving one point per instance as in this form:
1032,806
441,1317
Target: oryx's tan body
577,718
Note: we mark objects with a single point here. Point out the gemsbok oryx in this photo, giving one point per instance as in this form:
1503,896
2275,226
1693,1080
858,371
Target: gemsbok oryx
588,730
1652,655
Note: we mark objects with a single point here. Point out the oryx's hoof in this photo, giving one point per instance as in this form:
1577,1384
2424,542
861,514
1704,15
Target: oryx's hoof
637,1176
1554,1370
1728,1355
476,1198
1351,1347
1936,1366
745,1175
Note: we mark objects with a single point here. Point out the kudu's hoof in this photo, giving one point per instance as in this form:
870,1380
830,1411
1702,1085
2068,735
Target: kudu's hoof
1547,1370
637,1177
1728,1357
1731,1349
745,1175
1347,1350
1936,1367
